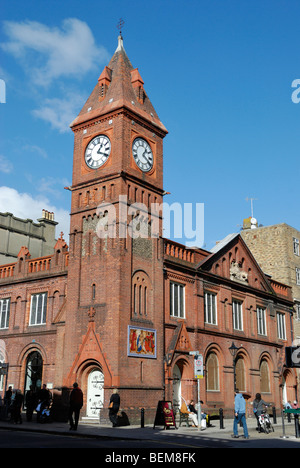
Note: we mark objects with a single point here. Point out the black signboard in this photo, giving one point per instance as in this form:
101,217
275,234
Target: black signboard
292,356
3,368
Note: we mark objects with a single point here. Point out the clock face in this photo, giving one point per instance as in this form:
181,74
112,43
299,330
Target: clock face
97,151
142,154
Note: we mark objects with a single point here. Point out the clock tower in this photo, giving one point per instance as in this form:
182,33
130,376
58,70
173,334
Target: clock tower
114,309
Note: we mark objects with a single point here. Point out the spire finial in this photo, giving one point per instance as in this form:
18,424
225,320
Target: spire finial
120,38
120,26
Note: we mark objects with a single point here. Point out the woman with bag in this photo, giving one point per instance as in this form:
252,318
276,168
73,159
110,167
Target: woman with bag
114,405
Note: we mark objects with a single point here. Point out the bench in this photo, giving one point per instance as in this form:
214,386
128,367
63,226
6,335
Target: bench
183,418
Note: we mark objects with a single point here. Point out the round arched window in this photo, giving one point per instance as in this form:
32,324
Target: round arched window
34,371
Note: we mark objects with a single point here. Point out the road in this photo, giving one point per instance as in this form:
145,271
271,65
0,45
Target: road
171,444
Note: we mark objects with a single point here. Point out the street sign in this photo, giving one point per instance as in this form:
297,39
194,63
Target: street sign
3,368
198,366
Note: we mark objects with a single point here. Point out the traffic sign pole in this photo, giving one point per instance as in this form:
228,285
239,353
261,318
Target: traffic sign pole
198,372
199,406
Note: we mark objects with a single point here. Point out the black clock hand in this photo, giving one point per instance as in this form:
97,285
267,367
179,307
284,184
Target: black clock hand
143,155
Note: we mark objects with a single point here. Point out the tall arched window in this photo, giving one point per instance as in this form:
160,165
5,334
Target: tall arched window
212,372
2,360
34,371
264,376
140,294
240,374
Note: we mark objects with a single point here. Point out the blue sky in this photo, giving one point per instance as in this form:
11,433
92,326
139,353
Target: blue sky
218,72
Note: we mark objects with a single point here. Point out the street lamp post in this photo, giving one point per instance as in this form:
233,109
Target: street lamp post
233,351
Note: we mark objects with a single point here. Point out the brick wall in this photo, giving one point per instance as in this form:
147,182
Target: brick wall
272,247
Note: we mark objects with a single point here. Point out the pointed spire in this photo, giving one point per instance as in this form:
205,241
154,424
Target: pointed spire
119,85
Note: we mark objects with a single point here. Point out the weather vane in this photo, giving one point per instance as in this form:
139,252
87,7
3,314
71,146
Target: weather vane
120,26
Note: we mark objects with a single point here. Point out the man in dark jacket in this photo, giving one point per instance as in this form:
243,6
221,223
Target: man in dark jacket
114,405
30,402
76,403
17,407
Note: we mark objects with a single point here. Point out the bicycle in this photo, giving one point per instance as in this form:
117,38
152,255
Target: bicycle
265,424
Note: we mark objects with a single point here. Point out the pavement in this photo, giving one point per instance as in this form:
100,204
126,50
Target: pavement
135,432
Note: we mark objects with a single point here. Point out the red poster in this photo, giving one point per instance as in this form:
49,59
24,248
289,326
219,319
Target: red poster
168,414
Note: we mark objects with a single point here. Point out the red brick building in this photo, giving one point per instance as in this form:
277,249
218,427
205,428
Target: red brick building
114,309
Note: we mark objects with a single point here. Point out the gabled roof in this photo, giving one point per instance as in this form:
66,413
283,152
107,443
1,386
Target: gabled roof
180,342
235,270
224,242
119,85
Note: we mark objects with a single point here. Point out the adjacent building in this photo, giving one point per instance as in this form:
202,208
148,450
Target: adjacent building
277,250
38,237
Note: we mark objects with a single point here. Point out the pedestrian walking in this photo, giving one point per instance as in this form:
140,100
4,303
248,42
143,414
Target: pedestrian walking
44,399
239,415
44,395
258,408
7,400
30,403
114,405
76,403
17,407
8,395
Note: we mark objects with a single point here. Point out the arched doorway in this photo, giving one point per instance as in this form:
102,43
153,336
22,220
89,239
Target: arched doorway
33,371
95,393
289,386
176,387
3,375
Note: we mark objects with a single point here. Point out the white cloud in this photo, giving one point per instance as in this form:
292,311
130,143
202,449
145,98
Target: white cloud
60,112
52,55
5,165
52,185
49,53
24,205
40,152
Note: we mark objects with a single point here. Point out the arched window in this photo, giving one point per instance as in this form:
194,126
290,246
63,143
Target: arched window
34,371
240,374
264,377
93,292
145,300
2,360
212,372
140,294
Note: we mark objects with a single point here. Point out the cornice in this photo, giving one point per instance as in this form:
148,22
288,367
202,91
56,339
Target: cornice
119,107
